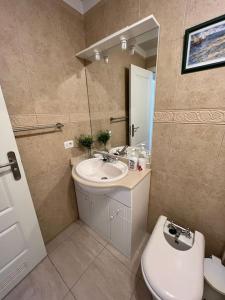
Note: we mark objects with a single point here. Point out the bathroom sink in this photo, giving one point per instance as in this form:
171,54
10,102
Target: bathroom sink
96,170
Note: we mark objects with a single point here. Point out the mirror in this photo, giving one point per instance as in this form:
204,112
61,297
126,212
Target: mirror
121,89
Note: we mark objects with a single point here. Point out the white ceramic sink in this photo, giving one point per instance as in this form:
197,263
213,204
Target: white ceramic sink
96,170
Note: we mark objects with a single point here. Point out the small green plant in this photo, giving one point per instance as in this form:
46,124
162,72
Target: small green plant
103,137
85,141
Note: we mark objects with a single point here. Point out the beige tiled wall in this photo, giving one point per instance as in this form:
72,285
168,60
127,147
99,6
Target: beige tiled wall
188,163
151,61
44,83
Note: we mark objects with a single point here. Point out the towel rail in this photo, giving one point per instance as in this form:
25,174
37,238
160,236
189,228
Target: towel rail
119,119
38,127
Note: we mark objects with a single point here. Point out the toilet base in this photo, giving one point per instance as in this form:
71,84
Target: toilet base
211,294
154,296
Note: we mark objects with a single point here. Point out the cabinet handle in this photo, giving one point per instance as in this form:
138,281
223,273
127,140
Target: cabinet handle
115,214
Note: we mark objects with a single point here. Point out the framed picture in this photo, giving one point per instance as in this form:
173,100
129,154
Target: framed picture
204,46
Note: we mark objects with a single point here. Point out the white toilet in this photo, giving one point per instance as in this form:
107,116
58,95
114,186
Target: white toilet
214,272
173,262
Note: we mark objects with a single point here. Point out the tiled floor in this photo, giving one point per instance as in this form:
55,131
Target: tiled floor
82,266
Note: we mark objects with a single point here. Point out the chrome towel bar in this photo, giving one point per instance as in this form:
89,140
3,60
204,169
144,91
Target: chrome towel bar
38,127
119,119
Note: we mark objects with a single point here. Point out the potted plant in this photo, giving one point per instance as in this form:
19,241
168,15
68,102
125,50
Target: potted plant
103,137
86,141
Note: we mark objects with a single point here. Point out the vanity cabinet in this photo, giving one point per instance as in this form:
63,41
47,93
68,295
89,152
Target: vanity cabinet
100,215
84,205
119,215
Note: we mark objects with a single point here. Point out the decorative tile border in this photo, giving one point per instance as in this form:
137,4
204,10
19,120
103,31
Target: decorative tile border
23,120
190,116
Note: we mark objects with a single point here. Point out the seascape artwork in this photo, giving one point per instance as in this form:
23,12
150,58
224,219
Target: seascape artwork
205,46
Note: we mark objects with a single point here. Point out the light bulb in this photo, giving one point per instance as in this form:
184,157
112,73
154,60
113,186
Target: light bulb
132,50
97,56
106,59
123,42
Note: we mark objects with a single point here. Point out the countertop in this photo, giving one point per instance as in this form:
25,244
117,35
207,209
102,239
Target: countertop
129,181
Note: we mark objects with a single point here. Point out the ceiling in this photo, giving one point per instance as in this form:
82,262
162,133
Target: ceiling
82,6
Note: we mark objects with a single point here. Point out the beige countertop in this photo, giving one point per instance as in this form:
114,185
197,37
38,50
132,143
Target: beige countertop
129,181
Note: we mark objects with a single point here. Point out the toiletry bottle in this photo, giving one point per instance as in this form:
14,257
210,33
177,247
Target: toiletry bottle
143,151
133,160
142,158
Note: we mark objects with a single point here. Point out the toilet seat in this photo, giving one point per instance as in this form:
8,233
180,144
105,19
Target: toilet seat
214,273
172,274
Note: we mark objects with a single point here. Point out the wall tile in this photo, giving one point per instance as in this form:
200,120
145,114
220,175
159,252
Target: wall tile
169,14
199,11
202,93
194,150
197,208
94,23
23,120
126,12
54,200
14,80
52,118
166,80
43,82
41,152
162,136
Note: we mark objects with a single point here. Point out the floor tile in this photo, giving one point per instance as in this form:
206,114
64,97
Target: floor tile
74,255
141,292
43,283
94,234
84,241
106,278
52,245
133,264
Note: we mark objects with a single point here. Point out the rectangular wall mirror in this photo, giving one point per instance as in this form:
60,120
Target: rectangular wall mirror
121,80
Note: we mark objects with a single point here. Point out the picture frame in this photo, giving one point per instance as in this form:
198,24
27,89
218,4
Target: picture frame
204,46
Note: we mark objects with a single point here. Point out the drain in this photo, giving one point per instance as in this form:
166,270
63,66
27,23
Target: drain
104,178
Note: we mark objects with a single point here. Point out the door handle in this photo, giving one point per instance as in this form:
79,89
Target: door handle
134,129
13,164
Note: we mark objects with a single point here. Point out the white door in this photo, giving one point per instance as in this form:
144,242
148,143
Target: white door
139,105
21,243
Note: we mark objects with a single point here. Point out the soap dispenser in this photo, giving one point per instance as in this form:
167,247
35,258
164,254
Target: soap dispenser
133,160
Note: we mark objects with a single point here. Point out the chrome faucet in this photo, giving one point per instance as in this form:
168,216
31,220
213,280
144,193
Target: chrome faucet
122,151
107,157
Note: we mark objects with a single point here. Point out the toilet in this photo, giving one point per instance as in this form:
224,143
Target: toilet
214,272
173,262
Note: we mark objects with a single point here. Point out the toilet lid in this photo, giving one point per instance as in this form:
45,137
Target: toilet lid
214,273
173,274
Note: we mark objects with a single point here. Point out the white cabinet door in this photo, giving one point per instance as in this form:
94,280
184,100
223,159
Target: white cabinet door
84,207
21,243
100,214
120,227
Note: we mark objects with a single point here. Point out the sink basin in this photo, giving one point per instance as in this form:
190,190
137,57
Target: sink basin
96,170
